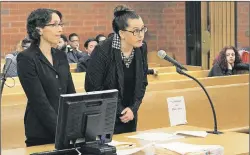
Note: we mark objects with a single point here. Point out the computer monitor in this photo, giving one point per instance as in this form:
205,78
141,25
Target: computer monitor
85,117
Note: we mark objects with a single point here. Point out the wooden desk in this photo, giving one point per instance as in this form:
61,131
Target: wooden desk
233,143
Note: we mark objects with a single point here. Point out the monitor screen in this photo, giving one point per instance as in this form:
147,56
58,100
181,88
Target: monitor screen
85,117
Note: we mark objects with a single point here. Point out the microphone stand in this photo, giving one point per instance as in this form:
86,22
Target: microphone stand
3,78
215,131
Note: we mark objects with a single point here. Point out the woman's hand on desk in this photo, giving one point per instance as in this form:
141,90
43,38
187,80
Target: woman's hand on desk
128,115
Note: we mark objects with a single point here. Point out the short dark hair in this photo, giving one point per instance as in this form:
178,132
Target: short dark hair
39,18
72,35
64,38
99,36
121,16
86,44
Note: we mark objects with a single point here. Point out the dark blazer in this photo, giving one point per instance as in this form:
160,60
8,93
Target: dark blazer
82,65
43,84
105,71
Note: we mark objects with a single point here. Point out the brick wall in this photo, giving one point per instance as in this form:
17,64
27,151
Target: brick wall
243,24
165,20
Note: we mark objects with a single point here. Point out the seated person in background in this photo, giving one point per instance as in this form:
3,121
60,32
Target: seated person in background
63,44
228,63
100,37
12,69
75,54
83,62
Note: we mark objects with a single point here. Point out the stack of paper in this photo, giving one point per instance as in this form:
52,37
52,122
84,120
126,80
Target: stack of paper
116,143
183,148
133,150
192,133
158,136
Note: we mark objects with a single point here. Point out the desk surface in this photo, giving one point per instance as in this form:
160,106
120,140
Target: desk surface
233,143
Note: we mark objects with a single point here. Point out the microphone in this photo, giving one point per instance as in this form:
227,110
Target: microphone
163,55
8,62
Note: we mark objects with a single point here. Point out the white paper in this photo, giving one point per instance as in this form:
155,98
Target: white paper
177,110
183,148
133,150
158,136
193,133
116,143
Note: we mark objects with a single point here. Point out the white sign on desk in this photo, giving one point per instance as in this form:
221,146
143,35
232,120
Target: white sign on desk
177,110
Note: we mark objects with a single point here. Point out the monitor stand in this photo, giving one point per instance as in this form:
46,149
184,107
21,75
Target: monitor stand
98,149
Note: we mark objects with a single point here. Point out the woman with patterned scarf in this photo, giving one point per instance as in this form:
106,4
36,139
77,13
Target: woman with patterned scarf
120,62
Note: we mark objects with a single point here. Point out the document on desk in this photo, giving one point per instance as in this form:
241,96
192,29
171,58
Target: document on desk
116,143
192,133
184,148
177,110
133,150
157,136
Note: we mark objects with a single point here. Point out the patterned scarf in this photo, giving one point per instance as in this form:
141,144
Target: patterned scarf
116,43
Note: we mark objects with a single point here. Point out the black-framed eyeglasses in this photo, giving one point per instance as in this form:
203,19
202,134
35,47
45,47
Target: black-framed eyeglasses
55,24
137,32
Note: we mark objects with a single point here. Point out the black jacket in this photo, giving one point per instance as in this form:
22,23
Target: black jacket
82,65
43,84
105,71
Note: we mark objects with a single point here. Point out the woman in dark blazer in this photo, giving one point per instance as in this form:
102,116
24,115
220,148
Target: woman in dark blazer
228,63
44,74
120,63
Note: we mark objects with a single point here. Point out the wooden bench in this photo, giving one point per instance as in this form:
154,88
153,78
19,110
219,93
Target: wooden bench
79,79
177,76
18,93
81,76
160,77
189,83
231,103
173,69
9,81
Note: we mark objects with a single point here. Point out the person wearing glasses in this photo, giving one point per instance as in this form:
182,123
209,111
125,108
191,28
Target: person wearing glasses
44,74
120,62
75,54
